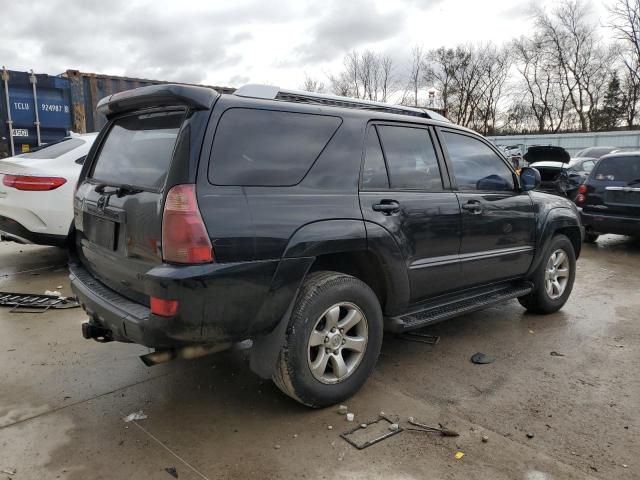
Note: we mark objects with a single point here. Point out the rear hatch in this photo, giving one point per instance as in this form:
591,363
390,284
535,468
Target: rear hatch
119,203
614,186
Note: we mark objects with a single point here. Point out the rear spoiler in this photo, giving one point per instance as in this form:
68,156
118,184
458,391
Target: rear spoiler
196,98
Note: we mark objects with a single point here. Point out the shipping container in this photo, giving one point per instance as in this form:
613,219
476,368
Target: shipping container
35,108
66,102
87,89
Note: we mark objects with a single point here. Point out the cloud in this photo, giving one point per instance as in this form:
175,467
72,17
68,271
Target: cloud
346,26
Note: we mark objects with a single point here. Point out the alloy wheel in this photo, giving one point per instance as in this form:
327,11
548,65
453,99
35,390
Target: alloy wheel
337,343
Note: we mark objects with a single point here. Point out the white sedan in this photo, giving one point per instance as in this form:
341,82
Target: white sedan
36,191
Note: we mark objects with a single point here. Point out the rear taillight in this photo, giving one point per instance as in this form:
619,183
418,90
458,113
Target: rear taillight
163,307
582,195
184,236
33,183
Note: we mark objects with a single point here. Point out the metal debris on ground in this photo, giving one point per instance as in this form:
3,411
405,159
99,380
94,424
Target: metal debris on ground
485,438
35,303
442,430
139,415
418,336
556,354
370,433
530,435
482,358
172,471
9,471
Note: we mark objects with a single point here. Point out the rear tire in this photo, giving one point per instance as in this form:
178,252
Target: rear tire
553,279
332,342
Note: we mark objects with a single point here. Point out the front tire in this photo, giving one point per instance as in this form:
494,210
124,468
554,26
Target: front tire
332,342
553,279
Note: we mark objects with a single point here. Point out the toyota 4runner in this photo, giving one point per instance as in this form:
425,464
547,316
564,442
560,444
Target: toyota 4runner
307,224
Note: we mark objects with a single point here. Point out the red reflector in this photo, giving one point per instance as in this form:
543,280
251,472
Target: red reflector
164,308
184,236
582,188
33,183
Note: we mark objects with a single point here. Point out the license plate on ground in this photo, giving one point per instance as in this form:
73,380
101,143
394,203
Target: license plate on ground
100,231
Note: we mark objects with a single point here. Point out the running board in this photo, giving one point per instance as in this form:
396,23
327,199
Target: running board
436,312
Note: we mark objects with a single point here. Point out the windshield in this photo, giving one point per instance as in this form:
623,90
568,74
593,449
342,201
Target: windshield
618,169
56,150
138,150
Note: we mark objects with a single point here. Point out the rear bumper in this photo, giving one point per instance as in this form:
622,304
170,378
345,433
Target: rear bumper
15,231
123,319
218,303
607,223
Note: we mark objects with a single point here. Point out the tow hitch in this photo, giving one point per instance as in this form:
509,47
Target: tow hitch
98,334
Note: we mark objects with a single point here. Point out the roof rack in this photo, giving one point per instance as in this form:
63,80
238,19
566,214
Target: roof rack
271,92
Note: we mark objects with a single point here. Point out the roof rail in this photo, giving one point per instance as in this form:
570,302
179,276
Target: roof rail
270,92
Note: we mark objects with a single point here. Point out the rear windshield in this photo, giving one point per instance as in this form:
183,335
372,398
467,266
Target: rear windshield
618,169
266,147
138,150
56,150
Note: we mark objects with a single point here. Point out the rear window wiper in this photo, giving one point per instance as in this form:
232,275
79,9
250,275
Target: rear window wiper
120,190
633,182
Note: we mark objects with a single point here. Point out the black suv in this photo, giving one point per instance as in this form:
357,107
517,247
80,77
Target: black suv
610,198
306,224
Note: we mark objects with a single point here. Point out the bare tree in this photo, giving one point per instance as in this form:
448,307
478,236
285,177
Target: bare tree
546,95
625,22
366,75
415,80
494,70
574,44
312,85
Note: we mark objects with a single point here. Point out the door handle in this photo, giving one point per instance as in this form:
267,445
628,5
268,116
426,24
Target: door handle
473,206
387,207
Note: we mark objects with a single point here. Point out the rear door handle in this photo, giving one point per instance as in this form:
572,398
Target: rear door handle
473,206
387,207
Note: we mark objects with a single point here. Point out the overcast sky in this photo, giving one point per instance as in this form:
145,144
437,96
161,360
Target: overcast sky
240,41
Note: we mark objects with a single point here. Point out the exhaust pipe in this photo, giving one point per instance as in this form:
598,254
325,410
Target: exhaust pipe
185,353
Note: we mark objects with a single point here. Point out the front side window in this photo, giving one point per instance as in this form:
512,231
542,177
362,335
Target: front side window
411,158
475,165
267,147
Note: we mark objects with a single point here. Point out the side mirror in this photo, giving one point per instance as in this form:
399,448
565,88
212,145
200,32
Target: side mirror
529,178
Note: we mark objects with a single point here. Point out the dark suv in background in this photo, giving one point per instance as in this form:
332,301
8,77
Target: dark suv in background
610,197
305,223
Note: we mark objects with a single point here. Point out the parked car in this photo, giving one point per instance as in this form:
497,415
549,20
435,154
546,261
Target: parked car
305,223
36,191
552,163
610,198
597,152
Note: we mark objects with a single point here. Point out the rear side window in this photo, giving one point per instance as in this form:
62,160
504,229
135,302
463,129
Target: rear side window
266,147
56,150
411,158
618,169
374,173
475,165
138,150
